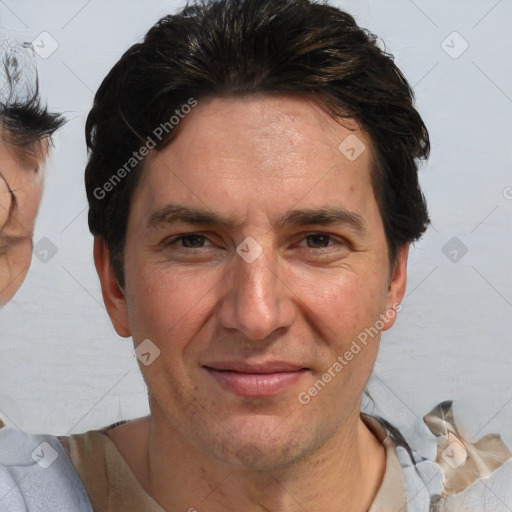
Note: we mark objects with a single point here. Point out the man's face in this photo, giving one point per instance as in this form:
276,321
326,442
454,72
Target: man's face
243,334
20,175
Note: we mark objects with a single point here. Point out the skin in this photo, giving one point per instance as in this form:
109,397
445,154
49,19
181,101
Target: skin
23,175
303,300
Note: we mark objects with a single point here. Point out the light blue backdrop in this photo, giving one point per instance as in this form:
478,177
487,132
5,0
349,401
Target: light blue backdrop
62,367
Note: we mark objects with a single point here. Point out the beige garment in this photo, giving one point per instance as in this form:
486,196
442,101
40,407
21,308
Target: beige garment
112,487
392,495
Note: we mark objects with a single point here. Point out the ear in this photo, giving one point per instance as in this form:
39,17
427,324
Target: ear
113,295
396,287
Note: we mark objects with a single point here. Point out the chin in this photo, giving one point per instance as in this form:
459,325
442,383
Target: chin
264,446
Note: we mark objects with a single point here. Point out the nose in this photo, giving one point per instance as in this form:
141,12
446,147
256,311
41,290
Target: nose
257,301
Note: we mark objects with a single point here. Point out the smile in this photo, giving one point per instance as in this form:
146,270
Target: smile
255,381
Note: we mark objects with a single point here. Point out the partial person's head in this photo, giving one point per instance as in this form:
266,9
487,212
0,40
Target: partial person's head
253,192
25,130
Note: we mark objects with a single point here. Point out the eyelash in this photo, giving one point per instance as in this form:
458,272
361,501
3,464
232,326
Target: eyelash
179,238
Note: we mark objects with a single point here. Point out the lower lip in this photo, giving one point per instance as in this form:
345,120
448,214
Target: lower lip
255,384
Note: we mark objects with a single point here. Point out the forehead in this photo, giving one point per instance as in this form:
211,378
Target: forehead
261,142
20,181
14,157
262,123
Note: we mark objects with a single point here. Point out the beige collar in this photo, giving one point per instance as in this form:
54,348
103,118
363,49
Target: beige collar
392,494
112,486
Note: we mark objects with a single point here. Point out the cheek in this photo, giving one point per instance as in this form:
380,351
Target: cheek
167,303
344,301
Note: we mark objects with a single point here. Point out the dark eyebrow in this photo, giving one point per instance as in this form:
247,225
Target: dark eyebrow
323,216
7,241
178,213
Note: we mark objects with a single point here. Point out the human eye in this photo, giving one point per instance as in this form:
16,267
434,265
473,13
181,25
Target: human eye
318,240
192,248
323,245
187,241
321,241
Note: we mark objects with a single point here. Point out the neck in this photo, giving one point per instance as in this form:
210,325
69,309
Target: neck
348,469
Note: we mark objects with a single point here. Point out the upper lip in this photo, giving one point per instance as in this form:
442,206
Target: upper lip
255,367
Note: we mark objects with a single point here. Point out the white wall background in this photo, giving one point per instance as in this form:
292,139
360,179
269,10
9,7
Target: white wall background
62,367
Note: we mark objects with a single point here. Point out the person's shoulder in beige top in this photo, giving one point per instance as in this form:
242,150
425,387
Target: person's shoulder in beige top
109,463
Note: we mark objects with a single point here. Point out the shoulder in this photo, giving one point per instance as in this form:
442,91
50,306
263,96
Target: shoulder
422,478
445,472
37,474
